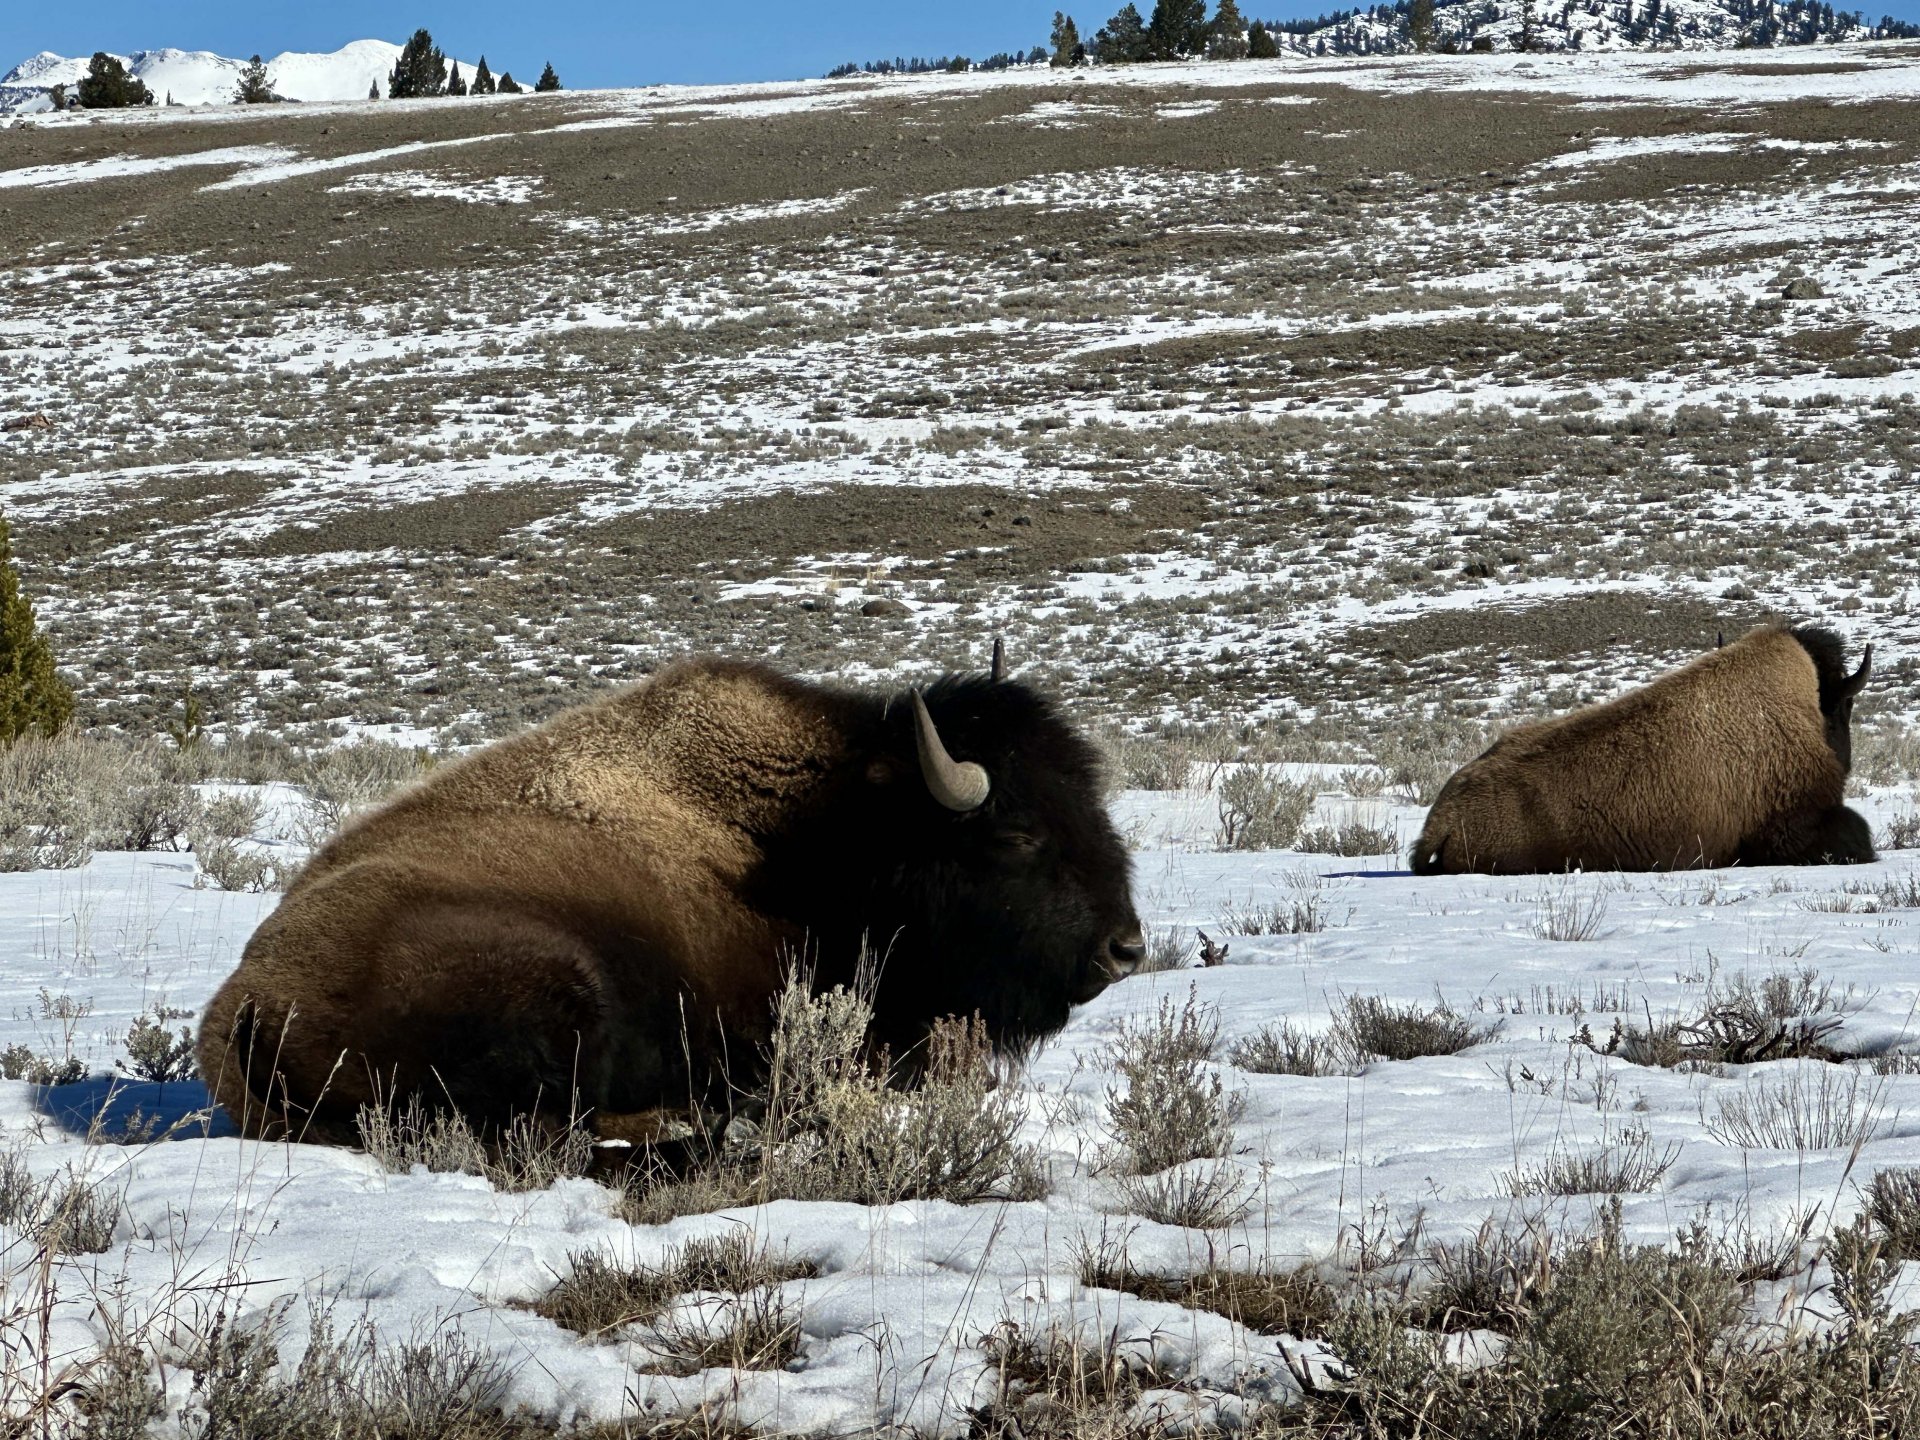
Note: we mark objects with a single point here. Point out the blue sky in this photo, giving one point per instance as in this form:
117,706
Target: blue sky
604,43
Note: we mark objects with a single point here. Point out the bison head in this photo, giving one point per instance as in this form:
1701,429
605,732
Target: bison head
970,852
1837,687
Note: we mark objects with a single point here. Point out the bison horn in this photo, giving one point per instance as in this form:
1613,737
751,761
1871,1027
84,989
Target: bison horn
955,784
999,670
1859,677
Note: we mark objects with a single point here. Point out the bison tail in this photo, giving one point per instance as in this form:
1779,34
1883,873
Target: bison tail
1429,855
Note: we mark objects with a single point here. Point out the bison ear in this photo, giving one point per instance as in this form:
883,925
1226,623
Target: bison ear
882,770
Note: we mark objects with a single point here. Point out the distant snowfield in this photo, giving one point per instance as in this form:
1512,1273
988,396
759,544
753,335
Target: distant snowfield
202,78
893,1324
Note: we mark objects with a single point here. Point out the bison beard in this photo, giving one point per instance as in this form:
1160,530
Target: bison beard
1738,758
598,913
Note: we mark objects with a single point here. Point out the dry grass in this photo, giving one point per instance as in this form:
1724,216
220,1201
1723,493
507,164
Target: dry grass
1568,914
1308,908
1815,1107
1893,1208
1285,1049
838,1122
1297,1301
1353,838
1168,948
1058,1384
1623,1164
66,1213
530,1154
1370,1025
599,1296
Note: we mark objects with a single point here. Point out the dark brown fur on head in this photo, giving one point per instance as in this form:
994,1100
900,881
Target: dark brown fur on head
1740,757
605,906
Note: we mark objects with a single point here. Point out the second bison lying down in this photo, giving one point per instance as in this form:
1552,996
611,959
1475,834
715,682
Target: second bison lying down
1739,758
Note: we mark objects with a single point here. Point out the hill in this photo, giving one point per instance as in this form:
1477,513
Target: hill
200,77
1587,25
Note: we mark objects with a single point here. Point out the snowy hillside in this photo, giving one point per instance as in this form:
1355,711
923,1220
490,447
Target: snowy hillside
199,77
1586,25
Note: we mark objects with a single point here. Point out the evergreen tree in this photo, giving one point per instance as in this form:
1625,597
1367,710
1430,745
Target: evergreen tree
107,86
455,85
482,78
1420,24
1178,29
509,85
373,90
1260,43
548,81
421,69
253,87
1067,49
33,697
1123,39
1227,36
1528,37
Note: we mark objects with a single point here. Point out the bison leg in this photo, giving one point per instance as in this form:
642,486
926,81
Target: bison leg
467,1007
1835,836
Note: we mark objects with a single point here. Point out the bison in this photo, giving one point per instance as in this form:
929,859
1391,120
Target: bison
1740,757
599,911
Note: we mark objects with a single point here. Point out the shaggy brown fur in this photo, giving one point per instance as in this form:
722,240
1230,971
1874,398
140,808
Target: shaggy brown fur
1739,757
602,907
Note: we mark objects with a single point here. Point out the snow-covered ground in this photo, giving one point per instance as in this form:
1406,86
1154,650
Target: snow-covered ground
1316,427
893,1323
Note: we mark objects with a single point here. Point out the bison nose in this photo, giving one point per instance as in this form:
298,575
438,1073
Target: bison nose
1126,952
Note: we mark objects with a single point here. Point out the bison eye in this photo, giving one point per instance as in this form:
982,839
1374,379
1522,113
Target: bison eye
1017,842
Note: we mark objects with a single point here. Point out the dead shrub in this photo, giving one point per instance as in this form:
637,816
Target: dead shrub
64,1212
1372,1026
1172,1107
1284,1049
837,1129
1626,1163
1893,1206
1350,839
1260,810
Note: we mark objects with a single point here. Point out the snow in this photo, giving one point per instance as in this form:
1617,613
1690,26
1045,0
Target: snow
80,172
893,1323
200,77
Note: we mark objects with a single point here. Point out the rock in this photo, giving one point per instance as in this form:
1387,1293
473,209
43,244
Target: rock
35,421
884,607
1802,288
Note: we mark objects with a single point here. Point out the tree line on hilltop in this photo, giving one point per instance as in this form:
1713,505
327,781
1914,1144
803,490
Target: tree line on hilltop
421,70
1182,30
